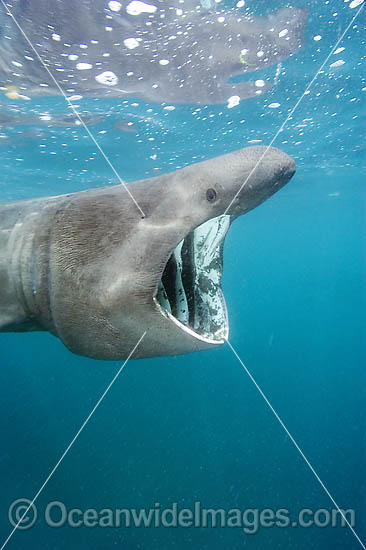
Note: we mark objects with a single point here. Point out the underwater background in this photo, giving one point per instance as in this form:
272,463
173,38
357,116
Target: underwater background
195,428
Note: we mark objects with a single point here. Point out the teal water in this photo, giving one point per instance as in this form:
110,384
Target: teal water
195,428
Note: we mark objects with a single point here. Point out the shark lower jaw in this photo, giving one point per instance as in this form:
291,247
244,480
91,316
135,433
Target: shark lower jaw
189,293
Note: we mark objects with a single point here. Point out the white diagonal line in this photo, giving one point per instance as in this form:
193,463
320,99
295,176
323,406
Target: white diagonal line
296,104
295,443
74,110
73,441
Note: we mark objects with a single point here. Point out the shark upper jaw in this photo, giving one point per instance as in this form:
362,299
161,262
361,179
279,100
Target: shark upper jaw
189,292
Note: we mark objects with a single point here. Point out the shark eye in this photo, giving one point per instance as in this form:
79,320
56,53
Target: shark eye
211,195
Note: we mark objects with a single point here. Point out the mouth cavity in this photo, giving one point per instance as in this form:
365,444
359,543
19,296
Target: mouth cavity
189,292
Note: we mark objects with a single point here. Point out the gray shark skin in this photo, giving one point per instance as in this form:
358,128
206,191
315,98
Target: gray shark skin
165,56
91,270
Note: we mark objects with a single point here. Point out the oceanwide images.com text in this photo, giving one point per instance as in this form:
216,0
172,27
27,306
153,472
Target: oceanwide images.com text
24,514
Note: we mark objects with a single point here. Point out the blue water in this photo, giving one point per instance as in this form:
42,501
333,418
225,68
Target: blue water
195,428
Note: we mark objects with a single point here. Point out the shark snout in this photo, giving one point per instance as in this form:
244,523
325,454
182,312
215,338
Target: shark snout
285,170
274,169
267,169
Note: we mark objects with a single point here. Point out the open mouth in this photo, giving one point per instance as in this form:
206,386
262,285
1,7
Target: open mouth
189,292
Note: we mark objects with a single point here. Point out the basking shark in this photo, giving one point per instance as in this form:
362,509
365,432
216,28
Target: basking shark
159,51
91,270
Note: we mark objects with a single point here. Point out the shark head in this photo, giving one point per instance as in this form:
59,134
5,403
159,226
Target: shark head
114,275
189,291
